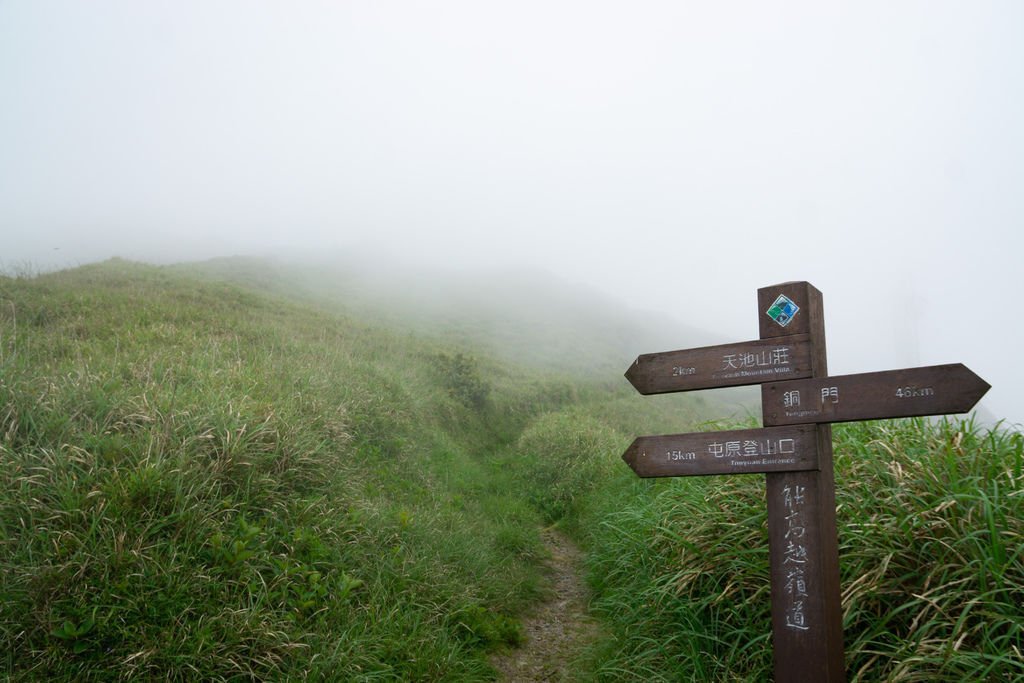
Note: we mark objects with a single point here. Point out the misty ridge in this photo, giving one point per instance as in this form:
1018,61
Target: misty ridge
520,315
525,315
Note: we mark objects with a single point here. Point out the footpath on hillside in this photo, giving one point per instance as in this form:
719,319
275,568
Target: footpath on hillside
559,628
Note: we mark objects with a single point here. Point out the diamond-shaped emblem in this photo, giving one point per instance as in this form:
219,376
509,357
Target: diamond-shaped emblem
783,310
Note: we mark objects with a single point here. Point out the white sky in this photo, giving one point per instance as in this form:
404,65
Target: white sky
677,155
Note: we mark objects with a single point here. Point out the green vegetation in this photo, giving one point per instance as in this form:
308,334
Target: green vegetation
225,477
931,537
203,483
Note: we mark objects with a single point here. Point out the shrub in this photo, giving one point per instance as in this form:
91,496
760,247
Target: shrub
561,457
460,374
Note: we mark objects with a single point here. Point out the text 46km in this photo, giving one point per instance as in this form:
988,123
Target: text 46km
914,392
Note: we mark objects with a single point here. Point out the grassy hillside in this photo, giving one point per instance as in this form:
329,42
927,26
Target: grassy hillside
201,482
218,475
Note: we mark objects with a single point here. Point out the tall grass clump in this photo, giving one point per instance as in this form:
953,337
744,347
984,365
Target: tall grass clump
560,458
931,531
201,482
679,571
932,549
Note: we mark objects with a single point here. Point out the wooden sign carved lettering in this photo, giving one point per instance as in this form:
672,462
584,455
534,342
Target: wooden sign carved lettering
793,450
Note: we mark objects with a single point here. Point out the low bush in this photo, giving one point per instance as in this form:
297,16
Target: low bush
560,458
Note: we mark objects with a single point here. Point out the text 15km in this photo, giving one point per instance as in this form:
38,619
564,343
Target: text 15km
680,455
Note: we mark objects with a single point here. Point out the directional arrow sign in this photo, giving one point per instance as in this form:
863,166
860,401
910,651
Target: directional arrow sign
726,365
932,390
739,451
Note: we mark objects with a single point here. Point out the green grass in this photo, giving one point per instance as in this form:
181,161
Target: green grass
933,548
204,483
204,478
931,532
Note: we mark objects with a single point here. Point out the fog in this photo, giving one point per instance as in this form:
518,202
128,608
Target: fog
675,156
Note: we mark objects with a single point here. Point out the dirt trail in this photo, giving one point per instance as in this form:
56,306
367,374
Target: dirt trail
559,628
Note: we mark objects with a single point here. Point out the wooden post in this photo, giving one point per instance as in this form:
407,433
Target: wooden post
789,362
807,623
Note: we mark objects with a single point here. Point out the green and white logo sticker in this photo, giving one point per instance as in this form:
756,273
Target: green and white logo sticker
783,310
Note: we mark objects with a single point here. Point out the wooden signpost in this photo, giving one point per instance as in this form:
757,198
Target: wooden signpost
728,365
780,449
794,450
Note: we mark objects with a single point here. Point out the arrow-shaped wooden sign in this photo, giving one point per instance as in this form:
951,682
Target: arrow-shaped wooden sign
725,365
911,392
794,450
737,451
